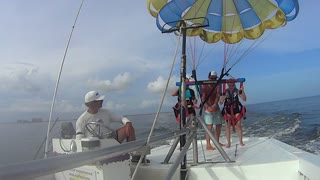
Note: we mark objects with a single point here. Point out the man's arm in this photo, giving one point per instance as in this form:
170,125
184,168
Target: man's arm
125,120
203,95
175,92
216,101
79,128
215,107
120,119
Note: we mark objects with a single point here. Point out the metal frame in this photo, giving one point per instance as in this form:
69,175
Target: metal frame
195,144
36,168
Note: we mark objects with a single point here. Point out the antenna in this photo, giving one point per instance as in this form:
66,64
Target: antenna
58,80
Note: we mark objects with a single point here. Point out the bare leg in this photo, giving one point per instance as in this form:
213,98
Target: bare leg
228,125
209,147
239,130
217,133
126,132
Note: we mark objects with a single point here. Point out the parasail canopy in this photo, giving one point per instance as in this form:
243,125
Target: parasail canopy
228,20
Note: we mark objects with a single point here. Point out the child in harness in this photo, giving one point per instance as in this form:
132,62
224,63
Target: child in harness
233,111
191,102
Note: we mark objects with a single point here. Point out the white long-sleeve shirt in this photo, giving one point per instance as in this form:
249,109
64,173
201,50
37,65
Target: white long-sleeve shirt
105,115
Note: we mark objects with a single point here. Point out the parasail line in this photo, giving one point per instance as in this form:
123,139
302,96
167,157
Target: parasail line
250,49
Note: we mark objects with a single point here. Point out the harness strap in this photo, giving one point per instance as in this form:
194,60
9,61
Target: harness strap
223,89
176,110
243,112
241,85
233,123
232,118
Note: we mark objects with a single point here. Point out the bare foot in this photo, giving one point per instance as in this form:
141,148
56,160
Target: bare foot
242,144
210,148
228,145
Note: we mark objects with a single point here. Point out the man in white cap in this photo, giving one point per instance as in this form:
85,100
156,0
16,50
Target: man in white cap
212,115
95,113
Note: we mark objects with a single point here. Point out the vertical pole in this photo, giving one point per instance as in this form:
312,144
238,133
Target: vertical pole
195,141
57,83
195,148
183,167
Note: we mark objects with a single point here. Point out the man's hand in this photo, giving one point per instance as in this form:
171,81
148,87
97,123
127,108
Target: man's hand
79,136
213,108
130,132
129,127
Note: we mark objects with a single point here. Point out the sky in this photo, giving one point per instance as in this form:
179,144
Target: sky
117,50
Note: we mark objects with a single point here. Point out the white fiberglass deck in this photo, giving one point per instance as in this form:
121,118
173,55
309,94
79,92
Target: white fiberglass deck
260,158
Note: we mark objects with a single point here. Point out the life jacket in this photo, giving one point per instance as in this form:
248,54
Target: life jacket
233,106
177,109
189,104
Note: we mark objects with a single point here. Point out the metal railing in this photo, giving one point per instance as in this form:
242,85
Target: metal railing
36,168
195,146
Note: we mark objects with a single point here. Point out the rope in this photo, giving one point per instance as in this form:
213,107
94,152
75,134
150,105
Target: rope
254,45
159,109
233,51
251,48
200,56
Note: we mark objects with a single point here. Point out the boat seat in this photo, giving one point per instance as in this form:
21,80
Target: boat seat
67,130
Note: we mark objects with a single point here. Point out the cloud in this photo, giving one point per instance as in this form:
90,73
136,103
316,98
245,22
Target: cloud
66,106
149,103
114,106
118,83
160,83
156,102
21,77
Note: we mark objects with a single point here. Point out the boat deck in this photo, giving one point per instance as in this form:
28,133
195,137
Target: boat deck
260,158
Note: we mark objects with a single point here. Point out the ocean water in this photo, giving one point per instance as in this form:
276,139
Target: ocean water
295,122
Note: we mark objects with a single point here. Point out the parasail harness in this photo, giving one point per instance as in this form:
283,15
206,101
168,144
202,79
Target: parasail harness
233,111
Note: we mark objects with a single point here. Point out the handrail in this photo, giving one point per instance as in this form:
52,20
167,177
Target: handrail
171,150
182,153
221,151
195,146
36,168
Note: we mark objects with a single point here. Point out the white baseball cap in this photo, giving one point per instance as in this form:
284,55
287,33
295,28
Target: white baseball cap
212,73
93,96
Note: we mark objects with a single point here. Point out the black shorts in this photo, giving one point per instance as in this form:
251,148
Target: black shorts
236,110
191,110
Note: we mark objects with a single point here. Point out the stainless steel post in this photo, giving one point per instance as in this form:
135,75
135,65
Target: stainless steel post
181,156
222,152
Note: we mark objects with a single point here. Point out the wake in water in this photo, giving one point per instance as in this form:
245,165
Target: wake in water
286,128
276,126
